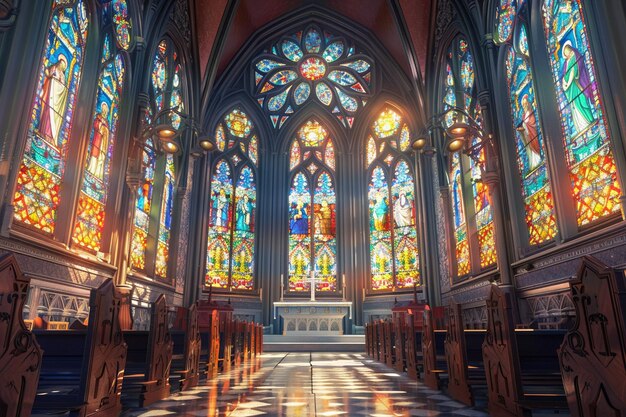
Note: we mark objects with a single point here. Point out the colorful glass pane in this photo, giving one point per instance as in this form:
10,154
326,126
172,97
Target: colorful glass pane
538,202
329,155
299,234
359,65
449,100
41,173
292,51
220,137
294,155
143,204
93,196
387,124
347,102
253,150
458,215
242,260
380,232
324,94
405,249
165,220
238,123
371,151
122,23
585,133
313,41
266,65
220,218
313,68
342,78
278,101
325,242
301,93
333,51
312,133
505,16
405,138
283,77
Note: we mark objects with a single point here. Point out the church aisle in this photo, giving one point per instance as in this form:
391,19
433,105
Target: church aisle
308,385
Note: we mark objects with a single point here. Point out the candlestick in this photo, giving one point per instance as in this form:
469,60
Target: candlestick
344,287
312,285
282,288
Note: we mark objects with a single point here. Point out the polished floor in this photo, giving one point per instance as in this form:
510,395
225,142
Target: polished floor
308,385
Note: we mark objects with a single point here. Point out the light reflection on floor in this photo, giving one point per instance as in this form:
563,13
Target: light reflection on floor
307,385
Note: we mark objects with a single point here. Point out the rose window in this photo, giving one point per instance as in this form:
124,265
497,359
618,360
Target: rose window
312,65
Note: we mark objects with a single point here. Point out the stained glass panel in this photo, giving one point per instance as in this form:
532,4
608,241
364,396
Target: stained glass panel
505,16
405,139
387,123
299,234
165,220
312,133
458,214
292,51
333,51
93,196
253,150
122,23
380,232
220,137
325,234
242,262
220,218
371,151
324,94
313,41
142,211
586,137
41,173
329,155
238,123
301,94
406,254
347,102
538,202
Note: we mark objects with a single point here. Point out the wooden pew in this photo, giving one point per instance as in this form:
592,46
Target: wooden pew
82,371
147,372
259,339
400,332
390,351
593,353
414,356
20,354
433,351
510,391
380,337
209,326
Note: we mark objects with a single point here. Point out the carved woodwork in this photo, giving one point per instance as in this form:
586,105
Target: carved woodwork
593,354
504,387
105,351
389,343
429,352
380,334
368,339
259,339
400,330
20,355
191,374
411,351
456,356
160,347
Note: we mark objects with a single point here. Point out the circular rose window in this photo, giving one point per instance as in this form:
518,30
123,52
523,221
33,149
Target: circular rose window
313,68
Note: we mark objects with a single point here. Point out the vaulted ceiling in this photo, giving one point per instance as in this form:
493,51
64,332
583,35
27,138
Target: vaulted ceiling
375,15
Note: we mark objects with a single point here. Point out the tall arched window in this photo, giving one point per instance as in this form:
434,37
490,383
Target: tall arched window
37,196
474,236
232,214
529,140
394,255
150,242
312,210
90,218
586,136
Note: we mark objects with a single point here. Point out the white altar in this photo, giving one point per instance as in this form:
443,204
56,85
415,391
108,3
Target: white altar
313,317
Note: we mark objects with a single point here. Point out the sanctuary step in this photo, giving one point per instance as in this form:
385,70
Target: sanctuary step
305,343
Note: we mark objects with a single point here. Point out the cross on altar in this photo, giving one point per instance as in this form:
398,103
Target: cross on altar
312,286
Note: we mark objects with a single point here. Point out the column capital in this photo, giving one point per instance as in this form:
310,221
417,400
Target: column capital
491,178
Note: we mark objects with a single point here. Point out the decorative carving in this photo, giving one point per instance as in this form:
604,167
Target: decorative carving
160,350
400,331
180,18
593,353
191,373
504,387
20,355
446,13
456,356
475,317
102,379
389,343
411,348
550,308
57,306
429,350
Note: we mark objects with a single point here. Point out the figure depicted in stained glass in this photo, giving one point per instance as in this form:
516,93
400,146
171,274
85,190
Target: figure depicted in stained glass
244,211
528,129
100,142
54,99
221,208
324,219
299,223
380,213
402,211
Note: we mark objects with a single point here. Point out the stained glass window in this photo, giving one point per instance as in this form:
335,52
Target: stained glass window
37,196
312,210
394,253
586,138
530,147
156,196
505,16
312,64
465,173
232,212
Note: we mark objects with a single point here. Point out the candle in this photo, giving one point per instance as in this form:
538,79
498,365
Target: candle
282,287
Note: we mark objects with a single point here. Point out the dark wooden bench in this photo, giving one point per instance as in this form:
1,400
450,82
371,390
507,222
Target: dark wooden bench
20,354
433,351
521,367
390,341
209,327
593,353
413,346
149,358
82,371
185,370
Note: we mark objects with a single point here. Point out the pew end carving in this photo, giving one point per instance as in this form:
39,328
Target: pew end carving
456,356
160,348
20,354
593,354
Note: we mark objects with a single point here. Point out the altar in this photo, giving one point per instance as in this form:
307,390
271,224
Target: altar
313,317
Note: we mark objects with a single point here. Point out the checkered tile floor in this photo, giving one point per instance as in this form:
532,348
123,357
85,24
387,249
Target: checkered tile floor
309,384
